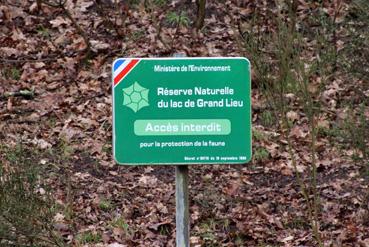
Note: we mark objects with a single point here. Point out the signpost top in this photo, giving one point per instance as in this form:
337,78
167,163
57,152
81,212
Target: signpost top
181,111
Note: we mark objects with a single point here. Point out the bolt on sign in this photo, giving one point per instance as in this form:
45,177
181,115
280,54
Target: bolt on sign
181,111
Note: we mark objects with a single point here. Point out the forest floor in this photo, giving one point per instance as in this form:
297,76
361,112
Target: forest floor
65,113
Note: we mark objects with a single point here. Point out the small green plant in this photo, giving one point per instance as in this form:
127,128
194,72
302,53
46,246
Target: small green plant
105,205
297,223
15,73
180,19
51,122
11,73
64,149
239,241
258,135
164,230
121,223
43,32
133,2
334,133
107,148
260,154
267,118
160,3
208,232
208,229
136,35
89,238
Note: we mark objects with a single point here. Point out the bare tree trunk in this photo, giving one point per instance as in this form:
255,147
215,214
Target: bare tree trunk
201,6
39,2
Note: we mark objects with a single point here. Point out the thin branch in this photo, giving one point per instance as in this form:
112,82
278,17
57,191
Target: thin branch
61,5
78,28
20,60
107,21
22,93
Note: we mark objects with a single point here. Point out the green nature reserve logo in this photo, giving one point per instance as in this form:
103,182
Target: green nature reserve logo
136,97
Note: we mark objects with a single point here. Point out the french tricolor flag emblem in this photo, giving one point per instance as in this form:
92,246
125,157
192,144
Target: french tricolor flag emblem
122,67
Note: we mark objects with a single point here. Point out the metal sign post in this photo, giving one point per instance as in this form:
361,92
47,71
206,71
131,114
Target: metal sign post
182,207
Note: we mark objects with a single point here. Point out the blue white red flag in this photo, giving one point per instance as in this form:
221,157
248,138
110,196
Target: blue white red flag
121,68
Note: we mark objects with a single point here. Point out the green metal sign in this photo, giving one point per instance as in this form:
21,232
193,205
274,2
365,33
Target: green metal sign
181,111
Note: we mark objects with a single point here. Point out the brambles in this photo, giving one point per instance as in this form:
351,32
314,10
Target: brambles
356,127
26,208
354,48
282,64
297,59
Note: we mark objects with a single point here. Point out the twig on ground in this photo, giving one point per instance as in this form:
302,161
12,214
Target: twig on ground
22,93
21,60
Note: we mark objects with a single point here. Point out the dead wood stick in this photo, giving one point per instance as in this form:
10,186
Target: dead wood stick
21,60
27,94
